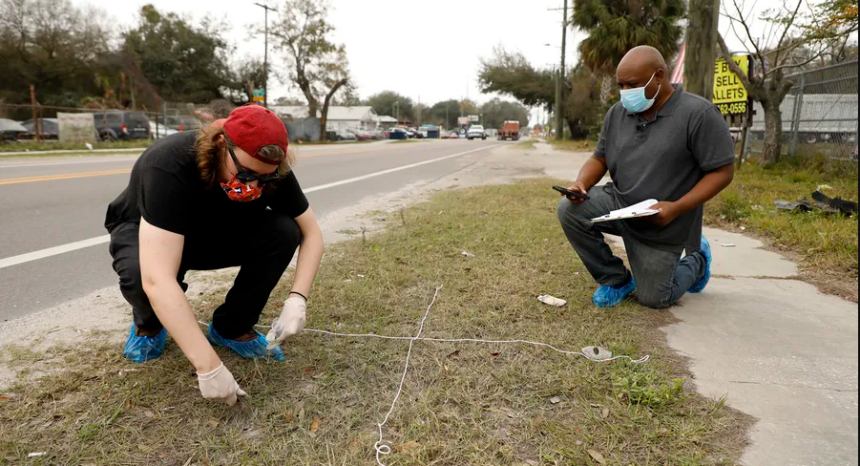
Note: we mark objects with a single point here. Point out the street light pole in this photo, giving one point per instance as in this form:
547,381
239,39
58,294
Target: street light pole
559,110
266,56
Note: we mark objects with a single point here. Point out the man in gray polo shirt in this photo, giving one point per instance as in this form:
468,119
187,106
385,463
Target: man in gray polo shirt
657,143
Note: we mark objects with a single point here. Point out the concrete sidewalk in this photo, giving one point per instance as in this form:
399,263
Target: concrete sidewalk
778,350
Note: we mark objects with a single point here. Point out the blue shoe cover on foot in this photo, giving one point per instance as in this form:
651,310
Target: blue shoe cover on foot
142,349
254,349
607,296
700,285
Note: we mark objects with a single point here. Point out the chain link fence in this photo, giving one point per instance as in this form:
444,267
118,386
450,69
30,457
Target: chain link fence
819,115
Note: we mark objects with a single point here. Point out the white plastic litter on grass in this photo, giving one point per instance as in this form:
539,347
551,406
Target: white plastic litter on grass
552,300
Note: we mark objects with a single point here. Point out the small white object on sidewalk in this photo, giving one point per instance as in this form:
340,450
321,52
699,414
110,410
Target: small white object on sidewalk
729,245
551,300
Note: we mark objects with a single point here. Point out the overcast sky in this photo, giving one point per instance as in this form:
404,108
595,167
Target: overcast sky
429,51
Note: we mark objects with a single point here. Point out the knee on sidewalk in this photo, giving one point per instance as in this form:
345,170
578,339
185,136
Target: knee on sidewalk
655,299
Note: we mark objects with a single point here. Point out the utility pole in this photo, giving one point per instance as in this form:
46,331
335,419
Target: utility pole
701,47
560,76
35,116
266,56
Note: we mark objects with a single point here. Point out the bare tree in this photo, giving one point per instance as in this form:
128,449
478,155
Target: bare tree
797,34
318,66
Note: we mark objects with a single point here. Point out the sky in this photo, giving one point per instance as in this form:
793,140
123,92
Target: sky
428,51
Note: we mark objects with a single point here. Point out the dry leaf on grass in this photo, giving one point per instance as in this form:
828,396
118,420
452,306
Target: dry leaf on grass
4,398
213,423
288,417
315,427
555,400
411,445
597,456
605,413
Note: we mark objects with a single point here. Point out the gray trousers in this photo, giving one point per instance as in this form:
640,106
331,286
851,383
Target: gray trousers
662,277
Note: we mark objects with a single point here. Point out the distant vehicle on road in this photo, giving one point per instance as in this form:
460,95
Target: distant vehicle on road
121,125
476,132
510,130
50,128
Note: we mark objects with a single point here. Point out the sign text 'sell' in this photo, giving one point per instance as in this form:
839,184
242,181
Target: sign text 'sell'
730,95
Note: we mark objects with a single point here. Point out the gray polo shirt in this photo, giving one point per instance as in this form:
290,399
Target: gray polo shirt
663,159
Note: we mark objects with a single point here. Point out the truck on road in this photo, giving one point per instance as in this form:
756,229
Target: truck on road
510,130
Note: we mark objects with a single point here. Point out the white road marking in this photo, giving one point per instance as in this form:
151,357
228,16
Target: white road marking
79,162
56,250
62,249
392,170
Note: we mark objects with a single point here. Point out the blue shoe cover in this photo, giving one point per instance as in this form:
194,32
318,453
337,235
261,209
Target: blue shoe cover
142,349
607,296
700,285
254,349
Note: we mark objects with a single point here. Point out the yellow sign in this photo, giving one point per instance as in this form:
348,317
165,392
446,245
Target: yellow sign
730,95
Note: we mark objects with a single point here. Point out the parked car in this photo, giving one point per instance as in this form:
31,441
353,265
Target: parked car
346,136
398,133
118,124
10,130
182,122
453,135
361,134
476,132
50,128
159,131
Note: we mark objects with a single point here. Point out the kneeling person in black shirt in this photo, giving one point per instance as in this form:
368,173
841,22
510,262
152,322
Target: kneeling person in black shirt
222,197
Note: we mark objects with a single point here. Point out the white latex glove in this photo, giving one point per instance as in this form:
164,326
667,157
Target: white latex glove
291,322
219,385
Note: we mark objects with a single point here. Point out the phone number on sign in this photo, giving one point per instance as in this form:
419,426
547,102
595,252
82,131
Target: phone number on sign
736,108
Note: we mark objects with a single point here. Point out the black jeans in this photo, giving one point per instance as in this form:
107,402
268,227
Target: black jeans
262,249
662,277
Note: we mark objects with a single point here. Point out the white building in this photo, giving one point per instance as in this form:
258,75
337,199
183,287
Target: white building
339,118
386,121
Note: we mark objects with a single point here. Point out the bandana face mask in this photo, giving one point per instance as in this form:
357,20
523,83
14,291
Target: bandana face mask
239,187
238,191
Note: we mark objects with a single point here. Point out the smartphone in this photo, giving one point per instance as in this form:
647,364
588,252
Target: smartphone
570,193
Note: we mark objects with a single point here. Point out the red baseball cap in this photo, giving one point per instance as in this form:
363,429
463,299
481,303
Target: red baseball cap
253,127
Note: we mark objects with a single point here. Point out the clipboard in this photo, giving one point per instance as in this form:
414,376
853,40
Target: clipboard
641,209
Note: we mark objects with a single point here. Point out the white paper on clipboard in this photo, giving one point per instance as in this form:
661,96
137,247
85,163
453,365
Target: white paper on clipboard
641,209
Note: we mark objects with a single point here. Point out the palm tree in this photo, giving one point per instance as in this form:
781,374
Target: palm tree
616,26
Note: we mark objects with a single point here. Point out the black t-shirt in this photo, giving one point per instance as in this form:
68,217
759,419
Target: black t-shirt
166,189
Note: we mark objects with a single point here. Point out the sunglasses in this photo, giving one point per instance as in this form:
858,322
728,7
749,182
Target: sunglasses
247,176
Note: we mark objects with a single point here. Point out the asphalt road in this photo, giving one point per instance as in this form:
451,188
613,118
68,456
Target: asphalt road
55,201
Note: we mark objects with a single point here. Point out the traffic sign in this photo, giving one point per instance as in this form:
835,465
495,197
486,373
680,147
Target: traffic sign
730,95
259,95
474,118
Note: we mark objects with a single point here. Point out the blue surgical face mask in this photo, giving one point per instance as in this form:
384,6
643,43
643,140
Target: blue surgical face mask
635,101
